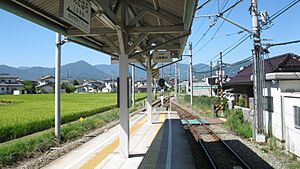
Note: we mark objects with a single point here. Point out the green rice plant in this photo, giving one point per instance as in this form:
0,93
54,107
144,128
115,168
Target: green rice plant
33,145
31,113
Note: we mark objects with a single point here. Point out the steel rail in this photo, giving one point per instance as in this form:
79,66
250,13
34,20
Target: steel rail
201,141
198,138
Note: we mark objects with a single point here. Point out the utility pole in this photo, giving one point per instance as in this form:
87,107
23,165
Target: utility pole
221,85
176,83
258,75
191,73
211,92
132,85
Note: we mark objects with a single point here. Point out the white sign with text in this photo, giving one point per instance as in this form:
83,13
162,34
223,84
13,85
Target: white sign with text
77,13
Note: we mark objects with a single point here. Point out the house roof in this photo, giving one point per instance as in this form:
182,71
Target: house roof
7,76
47,77
288,62
11,85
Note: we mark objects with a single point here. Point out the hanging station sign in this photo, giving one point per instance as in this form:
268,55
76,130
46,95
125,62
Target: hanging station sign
162,56
77,13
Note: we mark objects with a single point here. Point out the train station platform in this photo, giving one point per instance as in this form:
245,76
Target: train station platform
162,144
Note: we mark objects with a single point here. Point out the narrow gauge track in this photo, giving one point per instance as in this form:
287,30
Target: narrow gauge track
219,153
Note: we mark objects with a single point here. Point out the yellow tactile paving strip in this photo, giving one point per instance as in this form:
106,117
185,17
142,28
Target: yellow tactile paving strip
161,120
99,157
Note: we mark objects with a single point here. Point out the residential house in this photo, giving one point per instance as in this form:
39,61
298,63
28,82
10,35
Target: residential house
90,87
45,84
110,86
8,84
281,98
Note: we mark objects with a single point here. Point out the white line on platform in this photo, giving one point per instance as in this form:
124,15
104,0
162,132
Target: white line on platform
100,145
169,155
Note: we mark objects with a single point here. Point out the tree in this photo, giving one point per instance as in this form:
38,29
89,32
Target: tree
29,86
69,88
75,82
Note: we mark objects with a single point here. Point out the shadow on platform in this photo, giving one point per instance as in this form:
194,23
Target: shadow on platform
181,156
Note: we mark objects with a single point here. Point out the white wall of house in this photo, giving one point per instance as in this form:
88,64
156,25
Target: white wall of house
289,84
8,80
3,90
291,131
7,89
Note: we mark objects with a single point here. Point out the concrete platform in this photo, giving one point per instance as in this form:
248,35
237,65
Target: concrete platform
162,144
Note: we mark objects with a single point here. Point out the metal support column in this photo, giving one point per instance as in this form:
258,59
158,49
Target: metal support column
124,113
132,85
57,85
258,73
191,74
176,83
149,91
123,84
179,88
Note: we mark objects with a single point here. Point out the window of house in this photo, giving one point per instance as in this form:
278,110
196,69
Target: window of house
2,88
297,116
268,103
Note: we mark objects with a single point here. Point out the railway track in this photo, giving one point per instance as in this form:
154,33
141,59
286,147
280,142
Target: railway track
219,154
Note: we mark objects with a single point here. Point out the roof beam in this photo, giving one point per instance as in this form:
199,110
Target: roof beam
156,7
156,29
138,17
161,13
93,32
110,44
104,8
131,30
138,41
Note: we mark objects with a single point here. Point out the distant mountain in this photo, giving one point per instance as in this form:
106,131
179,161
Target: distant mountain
78,70
230,69
84,71
113,70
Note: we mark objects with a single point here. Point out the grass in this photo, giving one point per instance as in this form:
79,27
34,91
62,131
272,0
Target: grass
27,114
201,103
235,121
36,144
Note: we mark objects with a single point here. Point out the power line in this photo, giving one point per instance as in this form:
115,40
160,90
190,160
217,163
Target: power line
210,26
201,6
283,10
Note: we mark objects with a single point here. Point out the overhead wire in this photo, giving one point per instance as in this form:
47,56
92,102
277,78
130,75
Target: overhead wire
218,29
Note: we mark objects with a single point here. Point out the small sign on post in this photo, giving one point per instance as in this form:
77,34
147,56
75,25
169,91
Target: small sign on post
76,13
162,56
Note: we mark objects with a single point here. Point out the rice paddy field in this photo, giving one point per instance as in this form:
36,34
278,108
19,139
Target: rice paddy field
26,114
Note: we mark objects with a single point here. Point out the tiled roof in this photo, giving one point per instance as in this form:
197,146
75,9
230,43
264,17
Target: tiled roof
283,63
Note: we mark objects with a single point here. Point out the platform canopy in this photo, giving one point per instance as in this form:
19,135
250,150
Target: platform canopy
144,25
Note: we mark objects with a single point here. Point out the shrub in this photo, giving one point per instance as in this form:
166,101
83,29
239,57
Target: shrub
235,121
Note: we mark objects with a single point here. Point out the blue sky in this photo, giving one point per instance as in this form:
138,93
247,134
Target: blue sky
26,44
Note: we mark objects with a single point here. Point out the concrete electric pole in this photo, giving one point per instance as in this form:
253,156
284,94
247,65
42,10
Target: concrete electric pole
221,85
258,76
191,73
211,91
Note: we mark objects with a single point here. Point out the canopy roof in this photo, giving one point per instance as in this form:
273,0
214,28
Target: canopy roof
143,25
